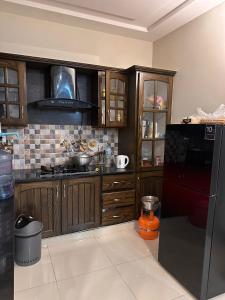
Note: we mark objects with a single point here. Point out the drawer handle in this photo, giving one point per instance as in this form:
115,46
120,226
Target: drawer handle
116,182
116,200
116,217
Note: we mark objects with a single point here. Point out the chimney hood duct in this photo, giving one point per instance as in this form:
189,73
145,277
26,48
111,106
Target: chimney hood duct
63,91
63,82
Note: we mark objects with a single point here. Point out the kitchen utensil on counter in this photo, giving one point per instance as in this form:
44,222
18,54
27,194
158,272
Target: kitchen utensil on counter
122,161
81,159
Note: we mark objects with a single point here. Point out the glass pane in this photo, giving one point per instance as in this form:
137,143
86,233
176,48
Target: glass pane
102,84
149,93
2,77
117,86
120,104
147,125
161,97
13,94
2,94
2,111
119,116
112,115
121,87
112,101
12,76
146,154
160,125
14,111
159,153
103,112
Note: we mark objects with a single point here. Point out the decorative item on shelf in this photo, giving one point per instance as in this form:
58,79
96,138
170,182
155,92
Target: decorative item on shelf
148,130
149,101
186,120
160,103
146,162
158,161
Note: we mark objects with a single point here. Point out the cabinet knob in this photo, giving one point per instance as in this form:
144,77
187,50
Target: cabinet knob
57,191
116,200
116,182
64,191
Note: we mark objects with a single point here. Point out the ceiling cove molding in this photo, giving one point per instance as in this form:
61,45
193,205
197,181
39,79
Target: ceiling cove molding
77,14
170,14
95,11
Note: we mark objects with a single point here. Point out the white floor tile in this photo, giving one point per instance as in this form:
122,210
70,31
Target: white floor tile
149,281
124,246
102,231
67,237
101,285
35,275
44,292
221,297
72,258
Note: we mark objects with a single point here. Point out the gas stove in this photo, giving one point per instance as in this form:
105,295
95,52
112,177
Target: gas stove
54,171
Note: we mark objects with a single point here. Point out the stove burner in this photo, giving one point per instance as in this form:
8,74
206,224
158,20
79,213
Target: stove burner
48,171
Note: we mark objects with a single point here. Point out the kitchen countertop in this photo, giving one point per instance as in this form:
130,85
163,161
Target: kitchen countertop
31,175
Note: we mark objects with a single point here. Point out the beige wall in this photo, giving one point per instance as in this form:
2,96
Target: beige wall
197,52
30,36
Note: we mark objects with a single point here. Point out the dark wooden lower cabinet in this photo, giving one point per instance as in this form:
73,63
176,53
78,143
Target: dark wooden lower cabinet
148,184
42,200
80,203
117,215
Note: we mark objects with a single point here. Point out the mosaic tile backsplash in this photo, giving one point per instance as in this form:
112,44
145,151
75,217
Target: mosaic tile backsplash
40,144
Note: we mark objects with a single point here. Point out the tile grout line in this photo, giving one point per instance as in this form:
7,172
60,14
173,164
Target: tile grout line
115,268
54,272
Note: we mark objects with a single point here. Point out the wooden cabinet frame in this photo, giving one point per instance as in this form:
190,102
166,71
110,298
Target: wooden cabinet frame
141,79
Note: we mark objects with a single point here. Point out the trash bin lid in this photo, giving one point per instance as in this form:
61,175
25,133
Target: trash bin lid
30,229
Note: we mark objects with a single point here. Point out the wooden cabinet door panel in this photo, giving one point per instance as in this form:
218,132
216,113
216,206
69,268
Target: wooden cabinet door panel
148,184
13,110
116,99
80,204
41,200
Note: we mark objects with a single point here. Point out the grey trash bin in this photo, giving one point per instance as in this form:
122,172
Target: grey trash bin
27,241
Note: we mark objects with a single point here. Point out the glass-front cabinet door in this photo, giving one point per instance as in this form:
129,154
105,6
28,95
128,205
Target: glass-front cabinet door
154,108
12,93
116,99
112,95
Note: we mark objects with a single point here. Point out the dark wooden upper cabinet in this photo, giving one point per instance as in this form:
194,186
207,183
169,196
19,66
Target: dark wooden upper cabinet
80,204
13,110
154,112
113,93
41,200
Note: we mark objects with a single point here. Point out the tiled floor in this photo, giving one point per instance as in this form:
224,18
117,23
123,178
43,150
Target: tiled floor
110,263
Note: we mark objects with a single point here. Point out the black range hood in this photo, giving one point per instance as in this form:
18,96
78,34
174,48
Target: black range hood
63,91
71,104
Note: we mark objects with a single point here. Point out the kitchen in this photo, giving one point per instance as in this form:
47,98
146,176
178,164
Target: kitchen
121,105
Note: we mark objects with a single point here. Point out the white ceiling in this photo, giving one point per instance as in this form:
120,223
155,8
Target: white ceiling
142,19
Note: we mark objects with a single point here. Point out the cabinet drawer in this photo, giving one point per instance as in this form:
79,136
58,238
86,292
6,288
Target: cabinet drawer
117,199
117,215
118,182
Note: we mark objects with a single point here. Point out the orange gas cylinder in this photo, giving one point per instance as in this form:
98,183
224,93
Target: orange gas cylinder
148,226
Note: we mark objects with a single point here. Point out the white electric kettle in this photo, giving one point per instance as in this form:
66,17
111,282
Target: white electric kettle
122,161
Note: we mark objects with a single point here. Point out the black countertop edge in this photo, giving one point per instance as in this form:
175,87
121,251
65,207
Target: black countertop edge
31,175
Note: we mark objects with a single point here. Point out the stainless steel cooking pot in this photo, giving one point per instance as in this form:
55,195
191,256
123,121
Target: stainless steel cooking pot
80,159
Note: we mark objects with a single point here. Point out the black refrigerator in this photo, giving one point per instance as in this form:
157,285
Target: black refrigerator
192,232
